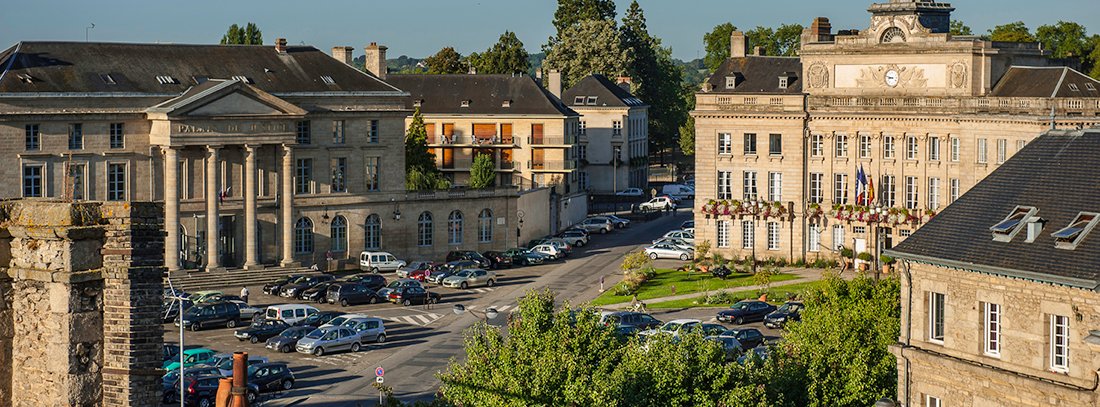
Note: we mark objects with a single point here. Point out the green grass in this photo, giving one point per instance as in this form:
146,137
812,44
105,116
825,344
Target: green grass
685,282
776,295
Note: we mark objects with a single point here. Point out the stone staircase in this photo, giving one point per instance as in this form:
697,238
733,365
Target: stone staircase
192,280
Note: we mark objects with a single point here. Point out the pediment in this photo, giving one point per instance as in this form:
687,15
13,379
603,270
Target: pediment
235,104
226,99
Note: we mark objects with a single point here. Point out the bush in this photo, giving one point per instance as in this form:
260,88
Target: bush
865,256
886,259
721,297
846,252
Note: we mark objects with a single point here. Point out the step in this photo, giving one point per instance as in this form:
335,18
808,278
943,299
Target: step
198,281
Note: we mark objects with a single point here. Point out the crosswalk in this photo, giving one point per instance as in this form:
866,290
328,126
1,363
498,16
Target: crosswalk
417,319
481,290
337,359
499,308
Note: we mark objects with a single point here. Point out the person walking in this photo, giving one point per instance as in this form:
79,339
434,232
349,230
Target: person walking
244,294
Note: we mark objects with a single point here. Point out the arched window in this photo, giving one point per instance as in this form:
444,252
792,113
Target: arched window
424,229
303,236
454,228
339,234
485,226
373,237
893,34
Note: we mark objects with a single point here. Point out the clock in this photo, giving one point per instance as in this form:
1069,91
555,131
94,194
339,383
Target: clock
892,78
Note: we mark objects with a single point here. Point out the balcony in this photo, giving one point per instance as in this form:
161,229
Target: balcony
458,140
551,141
552,165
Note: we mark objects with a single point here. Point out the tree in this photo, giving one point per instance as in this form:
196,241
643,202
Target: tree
787,40
507,56
1011,32
717,43
446,61
1064,40
687,136
249,35
1094,56
573,12
589,47
420,169
958,27
483,173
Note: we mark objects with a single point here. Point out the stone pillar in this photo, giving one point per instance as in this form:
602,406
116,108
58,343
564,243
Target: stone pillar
213,195
287,206
251,260
171,209
7,325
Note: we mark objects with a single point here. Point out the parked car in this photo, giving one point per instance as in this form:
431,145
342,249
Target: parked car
661,203
322,340
210,315
575,238
560,244
678,234
675,199
340,320
170,350
668,251
316,293
678,190
191,357
731,347
274,287
413,295
200,297
640,320
445,270
319,318
456,255
688,224
170,386
498,260
680,244
710,329
758,353
369,328
599,225
404,272
224,362
377,262
673,327
789,311
296,288
630,192
618,221
372,281
549,250
470,278
351,294
402,283
261,331
286,341
201,390
524,257
749,337
745,311
170,309
292,314
270,377
248,312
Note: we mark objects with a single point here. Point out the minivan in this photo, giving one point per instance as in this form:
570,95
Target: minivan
351,294
376,262
679,191
292,314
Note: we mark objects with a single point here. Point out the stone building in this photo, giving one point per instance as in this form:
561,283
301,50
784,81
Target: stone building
613,145
1000,296
281,155
923,115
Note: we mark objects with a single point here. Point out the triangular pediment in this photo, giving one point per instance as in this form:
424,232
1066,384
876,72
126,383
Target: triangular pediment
231,98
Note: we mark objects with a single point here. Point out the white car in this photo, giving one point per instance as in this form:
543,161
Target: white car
376,262
630,192
680,244
668,251
679,234
549,250
661,203
574,237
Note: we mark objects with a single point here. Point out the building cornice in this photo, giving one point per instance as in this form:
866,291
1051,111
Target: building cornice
1081,283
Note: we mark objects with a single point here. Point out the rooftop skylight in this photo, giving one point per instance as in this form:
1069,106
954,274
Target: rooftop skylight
1070,236
1008,227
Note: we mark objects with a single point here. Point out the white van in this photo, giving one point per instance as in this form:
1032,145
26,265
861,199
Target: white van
376,262
679,191
289,313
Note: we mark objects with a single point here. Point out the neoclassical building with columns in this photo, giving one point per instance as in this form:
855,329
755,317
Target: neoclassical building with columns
262,155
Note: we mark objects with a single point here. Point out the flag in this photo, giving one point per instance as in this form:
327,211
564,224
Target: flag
863,180
859,185
870,190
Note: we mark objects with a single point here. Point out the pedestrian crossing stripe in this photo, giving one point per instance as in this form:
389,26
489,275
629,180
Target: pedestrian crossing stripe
499,308
418,319
481,290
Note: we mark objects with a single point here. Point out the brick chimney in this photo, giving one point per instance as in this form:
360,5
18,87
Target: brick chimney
738,46
280,45
553,82
343,54
818,31
376,60
624,82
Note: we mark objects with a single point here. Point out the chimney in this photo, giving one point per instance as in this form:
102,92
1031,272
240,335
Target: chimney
343,54
553,82
280,45
758,51
376,60
737,44
624,82
1034,228
821,30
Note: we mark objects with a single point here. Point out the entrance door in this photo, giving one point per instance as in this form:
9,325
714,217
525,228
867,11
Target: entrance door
227,242
860,247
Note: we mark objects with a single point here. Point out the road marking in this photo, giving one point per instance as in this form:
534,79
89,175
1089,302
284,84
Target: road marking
504,308
418,320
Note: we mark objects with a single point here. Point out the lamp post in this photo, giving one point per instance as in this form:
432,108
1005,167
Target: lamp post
755,215
615,173
519,227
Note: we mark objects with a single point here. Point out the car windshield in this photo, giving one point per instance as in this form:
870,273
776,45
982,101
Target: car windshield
395,284
315,334
337,321
171,376
740,306
670,327
464,273
193,311
350,323
788,307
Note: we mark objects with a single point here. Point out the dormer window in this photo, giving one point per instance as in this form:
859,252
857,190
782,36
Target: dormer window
506,103
731,82
107,79
167,80
327,80
418,102
466,103
1007,228
578,101
1069,237
26,78
592,100
783,82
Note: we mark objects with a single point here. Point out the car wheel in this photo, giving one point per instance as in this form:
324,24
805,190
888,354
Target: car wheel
288,384
251,397
464,285
490,283
254,339
320,300
407,302
431,300
683,256
285,349
195,327
374,270
344,302
603,231
372,300
381,338
206,403
653,256
319,351
738,321
355,347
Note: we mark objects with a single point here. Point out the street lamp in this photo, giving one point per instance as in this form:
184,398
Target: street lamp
179,300
490,313
615,173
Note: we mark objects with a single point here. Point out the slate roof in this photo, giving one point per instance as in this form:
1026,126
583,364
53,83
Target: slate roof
1046,82
80,67
758,74
1057,174
443,94
607,93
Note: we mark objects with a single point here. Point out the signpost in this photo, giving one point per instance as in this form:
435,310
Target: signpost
379,372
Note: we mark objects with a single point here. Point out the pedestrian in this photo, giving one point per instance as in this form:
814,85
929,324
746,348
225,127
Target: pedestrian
244,294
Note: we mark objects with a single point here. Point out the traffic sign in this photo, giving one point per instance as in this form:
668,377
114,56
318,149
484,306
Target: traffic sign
380,371
379,379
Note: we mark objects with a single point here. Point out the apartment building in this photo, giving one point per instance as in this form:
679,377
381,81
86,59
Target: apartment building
613,142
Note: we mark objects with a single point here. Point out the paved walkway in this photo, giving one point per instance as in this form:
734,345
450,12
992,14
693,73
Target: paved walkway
804,275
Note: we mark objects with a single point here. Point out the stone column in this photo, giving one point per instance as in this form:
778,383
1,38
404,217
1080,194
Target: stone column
171,209
287,206
250,256
213,262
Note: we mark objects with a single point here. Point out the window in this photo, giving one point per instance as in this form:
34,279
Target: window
33,139
582,128
930,401
841,145
838,236
981,151
955,190
773,235
76,185
859,230
750,144
372,134
32,181
303,236
888,147
748,230
454,228
725,185
955,149
616,128
815,187
592,100
303,179
1073,87
725,143
338,231
339,174
910,148
372,239
840,188
731,82
775,144
911,192
723,233
934,148
933,193
816,145
117,137
886,191
905,233
936,312
579,100
1020,144
813,241
992,328
303,135
116,182
864,146
1002,147
775,186
749,186
76,136
327,80
582,151
1059,343
582,180
783,82
485,226
338,132
424,229
370,174
1070,236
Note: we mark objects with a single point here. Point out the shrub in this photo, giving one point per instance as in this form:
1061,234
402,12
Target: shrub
886,259
846,252
865,256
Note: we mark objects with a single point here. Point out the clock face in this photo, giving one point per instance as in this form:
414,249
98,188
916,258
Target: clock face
892,78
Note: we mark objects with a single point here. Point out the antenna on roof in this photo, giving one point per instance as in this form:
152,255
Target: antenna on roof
86,29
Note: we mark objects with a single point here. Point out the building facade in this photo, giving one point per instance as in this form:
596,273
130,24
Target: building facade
868,133
999,296
613,144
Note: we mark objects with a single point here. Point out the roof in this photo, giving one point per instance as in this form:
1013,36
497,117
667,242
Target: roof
758,74
1056,174
607,94
1046,82
83,67
485,94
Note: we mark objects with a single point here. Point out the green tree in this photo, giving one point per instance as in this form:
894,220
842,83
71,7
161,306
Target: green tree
420,169
717,43
687,136
249,35
483,173
589,47
507,56
1011,32
1064,40
1094,56
446,61
573,12
958,27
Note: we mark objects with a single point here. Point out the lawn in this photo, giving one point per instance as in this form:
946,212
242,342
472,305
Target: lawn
776,295
685,283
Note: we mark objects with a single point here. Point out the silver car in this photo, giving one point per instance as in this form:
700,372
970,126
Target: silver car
680,244
330,339
370,329
597,225
668,251
471,277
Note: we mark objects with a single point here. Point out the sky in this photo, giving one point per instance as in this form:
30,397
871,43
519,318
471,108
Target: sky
420,28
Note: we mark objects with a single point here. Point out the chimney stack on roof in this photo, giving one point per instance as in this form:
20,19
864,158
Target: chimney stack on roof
820,30
280,45
738,46
375,61
624,82
343,54
553,82
759,51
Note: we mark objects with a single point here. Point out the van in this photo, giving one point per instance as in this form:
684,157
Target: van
376,262
679,191
292,314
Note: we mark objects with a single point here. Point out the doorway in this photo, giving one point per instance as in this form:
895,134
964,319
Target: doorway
860,247
227,242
